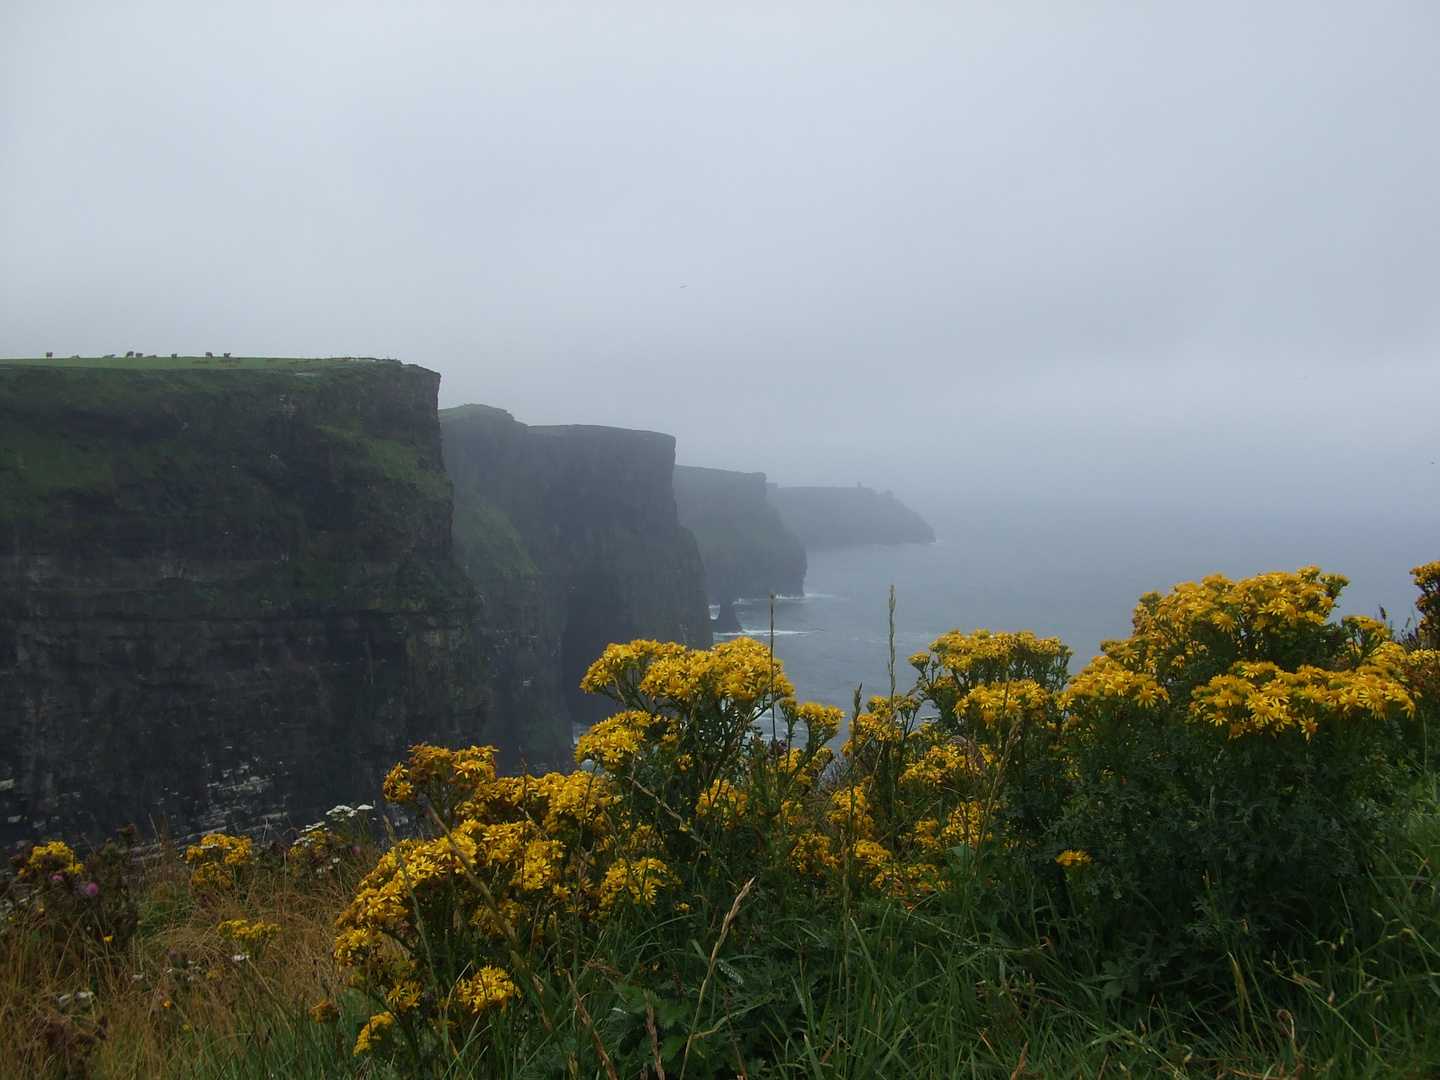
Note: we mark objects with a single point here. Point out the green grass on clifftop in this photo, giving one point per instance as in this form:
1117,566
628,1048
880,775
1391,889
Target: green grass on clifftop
186,363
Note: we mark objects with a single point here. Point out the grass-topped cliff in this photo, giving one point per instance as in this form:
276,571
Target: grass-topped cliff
226,588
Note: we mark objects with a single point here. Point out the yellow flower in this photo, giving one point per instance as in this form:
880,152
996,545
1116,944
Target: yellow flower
723,802
822,721
638,881
811,853
876,857
965,825
539,865
251,935
982,657
490,987
373,1033
217,859
403,995
1105,679
614,742
1073,859
850,811
45,861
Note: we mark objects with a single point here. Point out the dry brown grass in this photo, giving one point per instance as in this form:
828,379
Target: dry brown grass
174,1001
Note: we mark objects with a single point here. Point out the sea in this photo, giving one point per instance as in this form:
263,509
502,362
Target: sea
1072,575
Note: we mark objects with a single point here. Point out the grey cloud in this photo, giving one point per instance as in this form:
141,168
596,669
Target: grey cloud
1170,247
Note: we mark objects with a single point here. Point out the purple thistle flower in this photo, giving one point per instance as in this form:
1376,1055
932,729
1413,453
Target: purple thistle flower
58,879
92,890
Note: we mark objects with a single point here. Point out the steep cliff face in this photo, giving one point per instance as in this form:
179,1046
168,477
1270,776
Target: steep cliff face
571,535
227,594
830,517
746,549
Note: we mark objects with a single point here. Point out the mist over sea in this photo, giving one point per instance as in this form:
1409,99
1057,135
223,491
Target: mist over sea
1068,574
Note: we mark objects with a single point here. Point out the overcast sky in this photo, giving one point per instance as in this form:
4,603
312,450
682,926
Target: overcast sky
1168,254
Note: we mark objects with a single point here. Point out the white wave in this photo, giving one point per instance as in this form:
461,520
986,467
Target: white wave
761,635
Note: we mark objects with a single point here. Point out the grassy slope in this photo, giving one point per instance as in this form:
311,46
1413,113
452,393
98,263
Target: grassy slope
935,992
87,437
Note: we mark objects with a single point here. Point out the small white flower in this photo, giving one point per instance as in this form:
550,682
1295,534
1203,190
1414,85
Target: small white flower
240,958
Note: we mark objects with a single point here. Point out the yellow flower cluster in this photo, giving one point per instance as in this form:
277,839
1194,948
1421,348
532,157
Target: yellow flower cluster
1174,631
965,824
849,811
822,720
1253,618
443,778
1427,579
373,1034
637,881
616,741
45,862
216,860
946,763
875,860
506,856
489,988
995,703
723,802
710,767
622,665
884,722
915,865
1106,680
249,935
982,657
741,670
811,853
1261,697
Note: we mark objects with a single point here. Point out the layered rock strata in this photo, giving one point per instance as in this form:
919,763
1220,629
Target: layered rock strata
571,535
227,592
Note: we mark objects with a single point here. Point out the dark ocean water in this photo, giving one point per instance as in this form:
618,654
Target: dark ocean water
1072,576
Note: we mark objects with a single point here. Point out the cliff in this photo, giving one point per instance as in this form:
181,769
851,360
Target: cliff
571,535
227,594
746,549
829,517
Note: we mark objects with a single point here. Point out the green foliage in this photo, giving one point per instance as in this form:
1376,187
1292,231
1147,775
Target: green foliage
1212,852
1236,768
1200,825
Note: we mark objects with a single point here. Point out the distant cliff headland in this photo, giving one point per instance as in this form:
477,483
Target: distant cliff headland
233,591
753,535
745,546
831,517
227,594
